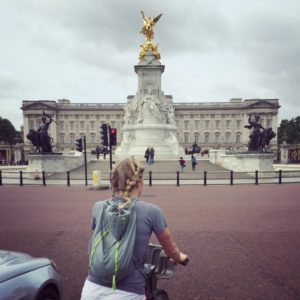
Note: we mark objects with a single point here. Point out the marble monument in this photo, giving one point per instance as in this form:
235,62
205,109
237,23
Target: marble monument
149,119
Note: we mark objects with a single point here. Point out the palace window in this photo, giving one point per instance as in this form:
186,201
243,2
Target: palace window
186,138
218,122
196,137
92,125
186,125
72,138
206,124
217,138
238,138
71,125
81,125
228,124
61,125
238,123
196,124
207,138
31,124
62,139
93,138
269,122
227,138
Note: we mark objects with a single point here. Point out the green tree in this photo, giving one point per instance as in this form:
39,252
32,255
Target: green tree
290,130
8,132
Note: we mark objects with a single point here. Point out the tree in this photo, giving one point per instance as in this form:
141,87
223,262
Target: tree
8,132
290,131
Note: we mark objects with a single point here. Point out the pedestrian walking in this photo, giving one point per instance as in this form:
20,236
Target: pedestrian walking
127,185
105,151
194,162
98,150
152,151
147,155
181,164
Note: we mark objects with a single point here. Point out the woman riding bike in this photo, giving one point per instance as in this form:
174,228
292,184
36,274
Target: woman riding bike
127,183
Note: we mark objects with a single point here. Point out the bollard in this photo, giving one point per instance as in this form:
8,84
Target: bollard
231,177
0,177
44,178
178,183
150,178
68,178
21,178
256,177
280,177
96,178
205,178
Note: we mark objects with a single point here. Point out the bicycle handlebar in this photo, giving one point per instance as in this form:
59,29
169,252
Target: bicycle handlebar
185,262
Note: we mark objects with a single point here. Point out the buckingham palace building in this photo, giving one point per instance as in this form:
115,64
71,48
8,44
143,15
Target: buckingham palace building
212,125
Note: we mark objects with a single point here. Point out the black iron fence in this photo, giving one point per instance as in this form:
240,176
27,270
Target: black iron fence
153,178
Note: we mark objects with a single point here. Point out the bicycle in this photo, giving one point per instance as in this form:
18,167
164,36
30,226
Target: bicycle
158,266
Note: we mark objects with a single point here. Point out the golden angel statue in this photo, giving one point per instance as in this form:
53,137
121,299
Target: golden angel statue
147,31
149,23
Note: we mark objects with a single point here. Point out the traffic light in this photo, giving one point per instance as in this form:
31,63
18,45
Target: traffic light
79,145
103,135
113,136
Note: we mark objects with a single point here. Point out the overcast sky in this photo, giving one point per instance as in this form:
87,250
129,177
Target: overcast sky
85,51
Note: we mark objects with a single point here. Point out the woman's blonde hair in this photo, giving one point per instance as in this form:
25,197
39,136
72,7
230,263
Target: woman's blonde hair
126,174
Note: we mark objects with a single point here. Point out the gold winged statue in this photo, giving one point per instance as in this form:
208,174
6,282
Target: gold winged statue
147,31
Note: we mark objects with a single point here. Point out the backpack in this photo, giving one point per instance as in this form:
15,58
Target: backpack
112,244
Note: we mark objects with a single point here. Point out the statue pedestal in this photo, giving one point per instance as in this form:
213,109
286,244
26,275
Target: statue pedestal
242,161
149,116
162,137
54,162
284,156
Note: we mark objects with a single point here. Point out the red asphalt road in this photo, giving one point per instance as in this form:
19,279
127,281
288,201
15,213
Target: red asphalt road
243,241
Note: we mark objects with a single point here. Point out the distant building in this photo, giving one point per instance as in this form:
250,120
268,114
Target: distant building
209,124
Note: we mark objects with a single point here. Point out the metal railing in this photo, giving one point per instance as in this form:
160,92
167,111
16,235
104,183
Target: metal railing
151,178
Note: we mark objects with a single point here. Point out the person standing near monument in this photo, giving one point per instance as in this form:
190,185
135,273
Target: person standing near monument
98,150
181,164
127,185
147,154
152,151
194,162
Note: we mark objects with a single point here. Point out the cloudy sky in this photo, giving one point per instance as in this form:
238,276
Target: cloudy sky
212,50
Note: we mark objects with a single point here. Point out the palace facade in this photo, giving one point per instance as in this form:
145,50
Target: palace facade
209,124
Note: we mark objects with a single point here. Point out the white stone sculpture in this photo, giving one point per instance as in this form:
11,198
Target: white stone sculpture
170,115
171,138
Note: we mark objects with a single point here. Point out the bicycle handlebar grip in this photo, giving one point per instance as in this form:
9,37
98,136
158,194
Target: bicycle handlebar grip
185,262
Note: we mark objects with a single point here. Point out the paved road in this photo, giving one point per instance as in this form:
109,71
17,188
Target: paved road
243,241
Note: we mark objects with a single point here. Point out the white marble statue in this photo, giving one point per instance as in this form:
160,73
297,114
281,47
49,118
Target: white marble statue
155,109
149,110
170,115
171,138
130,111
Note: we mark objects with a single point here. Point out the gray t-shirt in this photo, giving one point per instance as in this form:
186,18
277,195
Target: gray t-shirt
149,218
